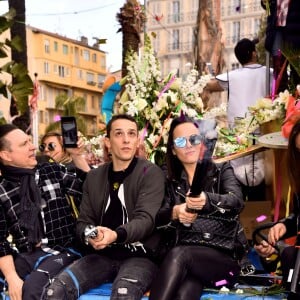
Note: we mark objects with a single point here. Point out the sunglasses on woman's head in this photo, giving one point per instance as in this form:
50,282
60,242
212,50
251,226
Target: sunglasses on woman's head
50,147
181,141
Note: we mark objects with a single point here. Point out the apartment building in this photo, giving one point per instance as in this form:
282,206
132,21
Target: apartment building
64,65
240,19
174,23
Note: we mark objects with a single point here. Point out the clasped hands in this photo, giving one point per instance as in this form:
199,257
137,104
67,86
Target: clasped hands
187,212
105,237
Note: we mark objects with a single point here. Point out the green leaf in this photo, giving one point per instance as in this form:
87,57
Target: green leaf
16,43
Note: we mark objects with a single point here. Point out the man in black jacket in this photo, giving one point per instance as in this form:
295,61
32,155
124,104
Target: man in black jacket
116,220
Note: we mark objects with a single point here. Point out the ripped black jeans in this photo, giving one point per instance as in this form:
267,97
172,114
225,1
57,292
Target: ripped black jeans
131,277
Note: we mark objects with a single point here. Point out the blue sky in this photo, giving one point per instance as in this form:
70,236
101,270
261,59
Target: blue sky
74,18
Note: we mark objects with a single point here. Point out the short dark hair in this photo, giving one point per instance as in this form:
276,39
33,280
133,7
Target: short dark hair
4,130
243,50
119,117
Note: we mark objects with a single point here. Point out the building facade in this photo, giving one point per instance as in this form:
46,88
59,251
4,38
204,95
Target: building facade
175,24
65,66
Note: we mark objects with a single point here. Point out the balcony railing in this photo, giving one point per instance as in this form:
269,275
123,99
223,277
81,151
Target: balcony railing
180,47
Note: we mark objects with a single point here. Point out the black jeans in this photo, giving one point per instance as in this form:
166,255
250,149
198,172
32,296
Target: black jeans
187,269
131,277
37,268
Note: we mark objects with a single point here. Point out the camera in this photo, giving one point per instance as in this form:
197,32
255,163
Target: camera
90,231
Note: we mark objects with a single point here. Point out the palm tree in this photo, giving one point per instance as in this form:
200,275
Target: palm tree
69,106
132,20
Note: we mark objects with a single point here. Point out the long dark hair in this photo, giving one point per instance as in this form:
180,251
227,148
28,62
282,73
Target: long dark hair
174,165
293,158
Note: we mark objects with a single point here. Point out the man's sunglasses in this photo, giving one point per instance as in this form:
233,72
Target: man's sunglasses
181,142
50,147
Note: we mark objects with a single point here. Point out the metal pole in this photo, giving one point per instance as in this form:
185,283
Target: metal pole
267,73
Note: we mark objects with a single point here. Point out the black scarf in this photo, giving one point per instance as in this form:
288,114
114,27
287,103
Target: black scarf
30,201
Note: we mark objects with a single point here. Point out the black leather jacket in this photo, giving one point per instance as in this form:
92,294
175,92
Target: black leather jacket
223,194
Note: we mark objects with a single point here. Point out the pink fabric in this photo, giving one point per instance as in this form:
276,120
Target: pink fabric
282,11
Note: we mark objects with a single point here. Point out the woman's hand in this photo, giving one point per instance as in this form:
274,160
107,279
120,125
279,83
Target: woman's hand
180,213
196,203
264,249
276,232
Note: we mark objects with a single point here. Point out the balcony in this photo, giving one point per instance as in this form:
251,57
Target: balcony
93,83
180,47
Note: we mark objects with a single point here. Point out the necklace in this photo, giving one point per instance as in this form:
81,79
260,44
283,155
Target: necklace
116,186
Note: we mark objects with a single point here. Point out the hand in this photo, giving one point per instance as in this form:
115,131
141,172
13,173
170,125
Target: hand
196,203
15,285
264,249
104,238
276,232
79,150
180,213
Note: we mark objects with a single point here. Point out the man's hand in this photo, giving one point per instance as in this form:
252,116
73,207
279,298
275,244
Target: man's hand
104,238
15,284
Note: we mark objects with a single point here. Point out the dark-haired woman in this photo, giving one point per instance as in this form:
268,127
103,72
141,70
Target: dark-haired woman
187,269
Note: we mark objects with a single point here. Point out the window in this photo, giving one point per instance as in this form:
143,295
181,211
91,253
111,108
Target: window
176,11
235,66
46,67
101,79
65,49
93,102
102,62
55,46
61,71
47,46
235,32
79,74
86,55
90,79
94,57
175,43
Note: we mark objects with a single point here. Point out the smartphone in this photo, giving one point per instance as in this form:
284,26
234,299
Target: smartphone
69,131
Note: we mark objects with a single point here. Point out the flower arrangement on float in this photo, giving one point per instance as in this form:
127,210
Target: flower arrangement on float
265,112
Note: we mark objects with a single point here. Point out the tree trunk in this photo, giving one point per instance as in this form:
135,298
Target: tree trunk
19,29
132,19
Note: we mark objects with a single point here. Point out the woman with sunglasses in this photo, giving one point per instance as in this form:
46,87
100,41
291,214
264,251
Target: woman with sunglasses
187,269
52,146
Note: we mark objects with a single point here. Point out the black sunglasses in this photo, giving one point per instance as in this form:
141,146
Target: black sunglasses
50,147
181,142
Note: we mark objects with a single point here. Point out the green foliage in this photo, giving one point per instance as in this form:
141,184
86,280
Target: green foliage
21,85
69,106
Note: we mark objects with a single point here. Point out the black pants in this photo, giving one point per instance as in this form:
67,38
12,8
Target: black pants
187,269
37,268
